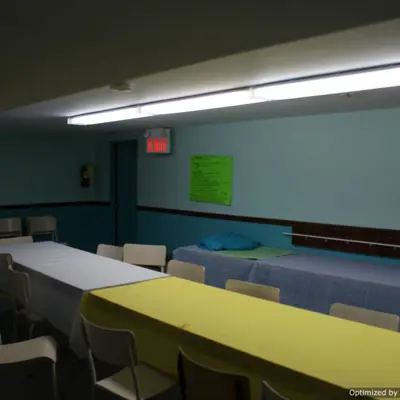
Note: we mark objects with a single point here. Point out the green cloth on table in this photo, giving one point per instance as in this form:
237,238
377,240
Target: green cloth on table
256,254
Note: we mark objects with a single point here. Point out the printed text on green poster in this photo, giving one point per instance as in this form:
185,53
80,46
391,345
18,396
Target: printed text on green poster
211,179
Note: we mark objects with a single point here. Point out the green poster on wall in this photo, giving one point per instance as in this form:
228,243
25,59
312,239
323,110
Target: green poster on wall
211,179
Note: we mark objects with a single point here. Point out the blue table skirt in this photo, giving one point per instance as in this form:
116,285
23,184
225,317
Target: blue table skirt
307,281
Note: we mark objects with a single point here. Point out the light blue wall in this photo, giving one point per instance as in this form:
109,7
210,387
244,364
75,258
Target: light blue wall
339,168
44,168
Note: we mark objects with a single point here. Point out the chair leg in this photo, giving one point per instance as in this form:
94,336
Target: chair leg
32,327
55,385
93,392
14,328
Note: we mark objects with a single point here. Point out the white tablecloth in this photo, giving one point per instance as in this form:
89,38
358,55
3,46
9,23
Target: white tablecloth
60,275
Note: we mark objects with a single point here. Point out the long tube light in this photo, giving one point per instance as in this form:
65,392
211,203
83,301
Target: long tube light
106,116
203,102
320,86
347,83
207,102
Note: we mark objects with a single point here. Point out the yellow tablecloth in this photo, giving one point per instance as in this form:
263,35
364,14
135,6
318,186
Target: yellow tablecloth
265,340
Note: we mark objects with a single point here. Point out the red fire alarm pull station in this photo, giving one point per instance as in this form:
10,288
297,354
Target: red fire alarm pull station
158,141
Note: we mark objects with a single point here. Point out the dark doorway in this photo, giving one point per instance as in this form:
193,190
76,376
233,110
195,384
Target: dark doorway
125,192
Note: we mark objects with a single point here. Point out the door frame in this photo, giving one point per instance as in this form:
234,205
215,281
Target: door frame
115,184
114,188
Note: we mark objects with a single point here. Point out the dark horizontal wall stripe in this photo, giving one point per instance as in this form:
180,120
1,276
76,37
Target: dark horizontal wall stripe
200,214
52,205
317,229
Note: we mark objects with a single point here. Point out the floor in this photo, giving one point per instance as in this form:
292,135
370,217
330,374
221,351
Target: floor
73,374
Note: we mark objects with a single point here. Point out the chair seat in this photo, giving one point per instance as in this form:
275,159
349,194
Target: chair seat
42,347
151,383
6,303
31,316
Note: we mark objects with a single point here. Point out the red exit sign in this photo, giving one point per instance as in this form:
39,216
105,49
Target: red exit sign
157,145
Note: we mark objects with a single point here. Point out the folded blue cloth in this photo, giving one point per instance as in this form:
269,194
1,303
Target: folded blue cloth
228,241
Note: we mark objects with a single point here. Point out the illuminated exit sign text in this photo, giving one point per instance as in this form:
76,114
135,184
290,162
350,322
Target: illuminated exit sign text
158,141
157,145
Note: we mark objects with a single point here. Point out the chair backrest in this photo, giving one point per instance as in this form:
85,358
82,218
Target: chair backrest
109,251
16,240
10,227
365,316
198,382
269,393
191,272
144,254
41,225
253,289
113,346
5,261
19,287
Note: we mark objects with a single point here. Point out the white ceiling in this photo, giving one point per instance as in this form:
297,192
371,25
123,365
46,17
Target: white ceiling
53,48
373,45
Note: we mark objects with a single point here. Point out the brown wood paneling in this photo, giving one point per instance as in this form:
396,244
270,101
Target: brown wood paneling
314,229
351,233
229,217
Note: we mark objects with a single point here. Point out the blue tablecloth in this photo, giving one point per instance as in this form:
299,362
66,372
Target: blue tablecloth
219,268
307,281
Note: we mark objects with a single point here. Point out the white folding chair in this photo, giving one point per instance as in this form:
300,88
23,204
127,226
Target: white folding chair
6,302
16,240
117,347
191,272
253,289
200,382
270,393
109,251
10,227
20,291
45,225
24,359
145,255
365,316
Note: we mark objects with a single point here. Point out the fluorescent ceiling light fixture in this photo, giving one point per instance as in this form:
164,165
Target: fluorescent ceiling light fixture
106,116
205,102
320,86
346,83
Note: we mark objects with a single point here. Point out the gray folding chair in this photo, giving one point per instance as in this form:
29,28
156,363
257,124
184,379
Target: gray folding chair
191,272
365,316
10,227
6,302
20,291
45,225
20,361
145,255
117,347
109,251
16,240
199,382
254,289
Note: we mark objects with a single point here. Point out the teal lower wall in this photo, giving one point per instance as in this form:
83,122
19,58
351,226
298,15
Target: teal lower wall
83,226
180,230
42,170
